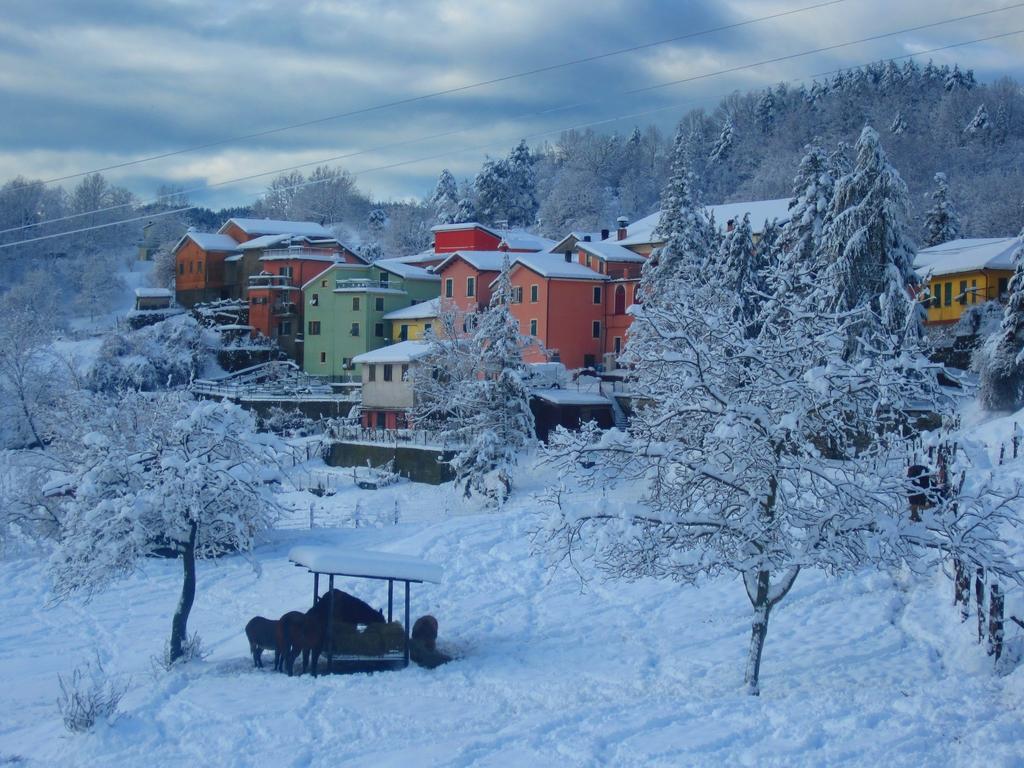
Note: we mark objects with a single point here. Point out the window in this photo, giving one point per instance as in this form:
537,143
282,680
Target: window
517,295
449,287
974,291
597,294
315,300
323,357
323,283
534,294
378,303
371,374
385,279
403,333
427,327
470,286
962,298
382,421
355,303
284,328
388,371
1004,284
346,363
620,300
190,265
617,346
949,295
286,272
595,329
378,330
354,331
588,259
533,327
405,372
936,295
199,267
181,268
314,327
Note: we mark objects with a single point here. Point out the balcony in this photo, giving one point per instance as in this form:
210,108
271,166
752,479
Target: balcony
300,252
283,308
270,281
354,285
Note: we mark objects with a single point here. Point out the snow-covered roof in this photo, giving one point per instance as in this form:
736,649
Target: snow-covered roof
967,256
641,232
571,397
465,225
153,293
609,250
423,257
562,245
263,241
402,352
555,265
520,240
352,562
278,227
208,241
424,309
406,271
485,261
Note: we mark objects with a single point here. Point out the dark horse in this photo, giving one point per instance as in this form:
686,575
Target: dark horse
263,635
305,633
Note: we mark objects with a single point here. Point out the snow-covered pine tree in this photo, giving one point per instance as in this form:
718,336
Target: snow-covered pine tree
473,394
520,187
444,201
899,125
869,255
722,149
158,474
489,188
980,127
739,270
728,444
689,237
941,223
1001,363
765,112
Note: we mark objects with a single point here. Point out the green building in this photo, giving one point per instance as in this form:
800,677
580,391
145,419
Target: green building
345,308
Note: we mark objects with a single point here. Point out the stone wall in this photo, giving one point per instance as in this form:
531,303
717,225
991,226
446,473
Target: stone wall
421,465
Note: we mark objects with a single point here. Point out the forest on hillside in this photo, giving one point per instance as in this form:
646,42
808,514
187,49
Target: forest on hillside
932,119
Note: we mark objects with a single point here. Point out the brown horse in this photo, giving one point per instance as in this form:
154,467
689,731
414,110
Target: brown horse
306,633
262,634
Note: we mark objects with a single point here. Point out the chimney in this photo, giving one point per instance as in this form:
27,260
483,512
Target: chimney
604,234
586,238
622,223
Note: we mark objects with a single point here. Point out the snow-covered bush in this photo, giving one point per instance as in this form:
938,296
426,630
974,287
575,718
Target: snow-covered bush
89,696
1000,362
192,649
164,355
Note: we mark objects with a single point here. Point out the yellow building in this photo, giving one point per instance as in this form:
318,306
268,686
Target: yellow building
962,273
411,323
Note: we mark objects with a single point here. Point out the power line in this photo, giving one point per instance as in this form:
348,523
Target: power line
430,137
489,145
445,92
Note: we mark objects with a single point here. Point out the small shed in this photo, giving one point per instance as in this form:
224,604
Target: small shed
366,564
569,408
152,298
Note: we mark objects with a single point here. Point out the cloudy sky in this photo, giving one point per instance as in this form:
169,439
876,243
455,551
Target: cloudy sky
96,83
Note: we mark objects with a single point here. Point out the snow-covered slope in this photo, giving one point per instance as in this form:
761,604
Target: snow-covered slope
860,671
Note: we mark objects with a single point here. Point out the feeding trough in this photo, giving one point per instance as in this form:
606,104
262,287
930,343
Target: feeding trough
373,649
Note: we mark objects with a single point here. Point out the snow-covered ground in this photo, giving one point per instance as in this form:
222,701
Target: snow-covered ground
865,670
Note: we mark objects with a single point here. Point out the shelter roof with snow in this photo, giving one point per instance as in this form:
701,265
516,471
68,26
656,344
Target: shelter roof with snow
365,563
967,255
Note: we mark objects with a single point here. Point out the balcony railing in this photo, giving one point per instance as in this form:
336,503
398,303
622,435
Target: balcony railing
362,285
299,252
270,281
285,308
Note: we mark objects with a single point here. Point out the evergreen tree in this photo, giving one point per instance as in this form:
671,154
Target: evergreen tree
740,270
723,147
765,112
869,254
899,125
520,202
689,237
941,223
489,188
980,126
444,201
1002,359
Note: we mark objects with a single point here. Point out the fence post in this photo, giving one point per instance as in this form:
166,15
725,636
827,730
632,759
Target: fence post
312,523
979,597
995,622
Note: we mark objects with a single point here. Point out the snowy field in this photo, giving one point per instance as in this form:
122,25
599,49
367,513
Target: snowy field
866,670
